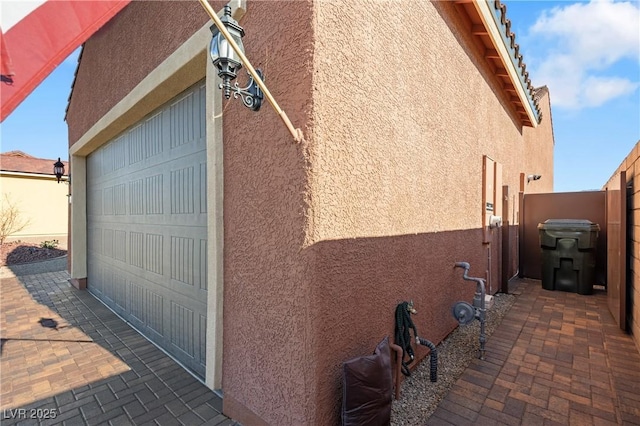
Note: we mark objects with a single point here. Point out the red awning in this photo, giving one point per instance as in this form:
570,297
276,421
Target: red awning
38,35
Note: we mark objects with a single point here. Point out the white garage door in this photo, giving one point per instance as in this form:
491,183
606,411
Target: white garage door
147,227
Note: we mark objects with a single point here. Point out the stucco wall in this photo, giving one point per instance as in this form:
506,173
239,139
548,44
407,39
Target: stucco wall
269,356
405,108
322,239
42,202
538,149
631,164
403,118
117,57
267,353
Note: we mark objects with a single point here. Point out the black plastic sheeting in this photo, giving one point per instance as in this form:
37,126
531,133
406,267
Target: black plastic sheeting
367,388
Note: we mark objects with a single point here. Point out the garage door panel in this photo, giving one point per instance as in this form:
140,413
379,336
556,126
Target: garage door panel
108,290
154,311
144,200
167,155
150,144
94,202
188,261
146,139
147,219
182,328
171,263
94,240
202,266
114,244
169,323
136,304
185,120
96,275
120,291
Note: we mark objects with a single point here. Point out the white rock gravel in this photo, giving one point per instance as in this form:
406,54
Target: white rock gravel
420,397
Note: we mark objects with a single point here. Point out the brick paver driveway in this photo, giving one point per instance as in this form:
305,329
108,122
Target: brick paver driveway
557,358
92,368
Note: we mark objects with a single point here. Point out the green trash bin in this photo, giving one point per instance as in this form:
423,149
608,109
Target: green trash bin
568,254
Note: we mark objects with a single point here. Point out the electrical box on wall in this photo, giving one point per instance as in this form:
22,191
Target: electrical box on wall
491,194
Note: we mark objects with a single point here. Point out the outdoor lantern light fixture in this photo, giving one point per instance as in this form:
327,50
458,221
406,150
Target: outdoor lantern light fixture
228,63
58,169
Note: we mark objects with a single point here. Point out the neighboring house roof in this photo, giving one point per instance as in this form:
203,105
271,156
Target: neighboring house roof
18,161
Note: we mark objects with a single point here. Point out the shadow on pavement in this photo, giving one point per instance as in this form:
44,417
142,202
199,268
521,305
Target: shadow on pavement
92,367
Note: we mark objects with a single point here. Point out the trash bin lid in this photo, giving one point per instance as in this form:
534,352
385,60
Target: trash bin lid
570,225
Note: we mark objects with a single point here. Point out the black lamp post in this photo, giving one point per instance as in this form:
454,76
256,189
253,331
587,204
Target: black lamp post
228,63
58,169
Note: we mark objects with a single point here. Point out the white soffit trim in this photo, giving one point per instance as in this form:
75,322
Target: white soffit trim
495,33
124,114
32,175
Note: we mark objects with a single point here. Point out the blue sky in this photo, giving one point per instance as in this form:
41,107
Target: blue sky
37,125
588,53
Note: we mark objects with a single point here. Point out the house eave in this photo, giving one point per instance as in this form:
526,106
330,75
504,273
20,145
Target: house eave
504,53
31,175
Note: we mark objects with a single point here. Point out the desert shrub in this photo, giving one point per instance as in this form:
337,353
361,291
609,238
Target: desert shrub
11,220
49,244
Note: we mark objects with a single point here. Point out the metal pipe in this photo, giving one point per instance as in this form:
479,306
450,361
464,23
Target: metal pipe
464,265
478,302
296,133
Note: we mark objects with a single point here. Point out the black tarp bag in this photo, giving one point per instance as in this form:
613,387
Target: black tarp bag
367,388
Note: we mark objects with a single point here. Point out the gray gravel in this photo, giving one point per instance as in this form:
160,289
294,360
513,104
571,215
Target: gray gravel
41,267
420,397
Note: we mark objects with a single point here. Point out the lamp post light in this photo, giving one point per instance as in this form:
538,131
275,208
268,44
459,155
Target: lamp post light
226,60
58,169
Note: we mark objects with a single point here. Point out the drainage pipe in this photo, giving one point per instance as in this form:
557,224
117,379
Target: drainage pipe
434,357
478,302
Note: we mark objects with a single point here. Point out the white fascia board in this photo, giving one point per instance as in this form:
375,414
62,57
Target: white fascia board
31,175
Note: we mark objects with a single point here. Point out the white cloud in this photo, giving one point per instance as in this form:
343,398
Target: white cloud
584,44
598,90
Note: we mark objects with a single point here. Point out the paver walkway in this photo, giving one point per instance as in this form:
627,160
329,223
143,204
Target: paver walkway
92,368
557,358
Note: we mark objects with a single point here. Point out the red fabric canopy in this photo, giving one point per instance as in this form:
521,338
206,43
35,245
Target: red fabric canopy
42,39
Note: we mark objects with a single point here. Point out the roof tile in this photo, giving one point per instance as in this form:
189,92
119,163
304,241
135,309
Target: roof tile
18,161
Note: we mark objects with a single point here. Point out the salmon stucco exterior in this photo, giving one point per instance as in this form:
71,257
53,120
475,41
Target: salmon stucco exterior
263,264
